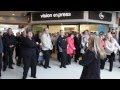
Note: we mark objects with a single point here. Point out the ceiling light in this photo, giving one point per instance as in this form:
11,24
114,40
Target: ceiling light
13,14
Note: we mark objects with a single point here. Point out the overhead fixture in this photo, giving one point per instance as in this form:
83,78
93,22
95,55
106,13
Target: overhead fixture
13,14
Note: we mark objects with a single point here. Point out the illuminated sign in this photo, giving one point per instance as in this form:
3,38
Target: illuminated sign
57,15
102,16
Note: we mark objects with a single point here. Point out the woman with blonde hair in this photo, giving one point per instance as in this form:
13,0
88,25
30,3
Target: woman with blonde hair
111,49
91,59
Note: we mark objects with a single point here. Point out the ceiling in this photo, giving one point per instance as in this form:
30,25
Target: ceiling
20,13
16,13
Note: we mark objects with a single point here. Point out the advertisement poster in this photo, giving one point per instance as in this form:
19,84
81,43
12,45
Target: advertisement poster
101,29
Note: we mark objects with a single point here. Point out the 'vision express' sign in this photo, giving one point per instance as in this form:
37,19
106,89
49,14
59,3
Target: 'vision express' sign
61,15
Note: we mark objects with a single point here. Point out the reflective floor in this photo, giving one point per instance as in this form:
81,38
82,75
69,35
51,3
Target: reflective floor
72,71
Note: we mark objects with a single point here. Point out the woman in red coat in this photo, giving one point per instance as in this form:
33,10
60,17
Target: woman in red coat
70,47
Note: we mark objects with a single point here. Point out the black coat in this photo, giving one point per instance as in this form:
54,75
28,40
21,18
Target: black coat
91,65
28,47
1,45
7,41
77,42
18,46
119,38
37,39
62,43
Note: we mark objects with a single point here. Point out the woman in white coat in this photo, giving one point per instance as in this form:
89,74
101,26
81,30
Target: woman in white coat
111,49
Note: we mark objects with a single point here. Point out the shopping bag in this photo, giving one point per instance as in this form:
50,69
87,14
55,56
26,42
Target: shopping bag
40,54
40,58
82,51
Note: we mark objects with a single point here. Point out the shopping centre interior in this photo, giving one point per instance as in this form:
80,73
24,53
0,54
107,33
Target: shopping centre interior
79,21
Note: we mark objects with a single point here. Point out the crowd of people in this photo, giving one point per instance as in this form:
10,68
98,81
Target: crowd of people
88,49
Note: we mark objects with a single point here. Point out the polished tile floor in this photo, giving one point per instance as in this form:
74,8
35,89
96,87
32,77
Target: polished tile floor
72,71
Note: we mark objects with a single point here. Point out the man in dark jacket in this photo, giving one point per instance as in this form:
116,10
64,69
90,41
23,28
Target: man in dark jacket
62,48
20,57
9,42
77,43
18,46
29,55
1,50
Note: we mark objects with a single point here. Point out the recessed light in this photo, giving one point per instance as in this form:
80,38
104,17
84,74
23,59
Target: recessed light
13,14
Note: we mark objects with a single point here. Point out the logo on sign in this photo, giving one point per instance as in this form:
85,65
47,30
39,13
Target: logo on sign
101,15
58,15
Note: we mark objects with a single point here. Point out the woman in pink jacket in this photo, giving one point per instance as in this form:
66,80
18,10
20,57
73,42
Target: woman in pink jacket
70,47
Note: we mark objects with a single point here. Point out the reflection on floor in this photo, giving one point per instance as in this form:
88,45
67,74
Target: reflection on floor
72,71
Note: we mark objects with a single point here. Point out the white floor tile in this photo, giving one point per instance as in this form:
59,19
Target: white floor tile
72,71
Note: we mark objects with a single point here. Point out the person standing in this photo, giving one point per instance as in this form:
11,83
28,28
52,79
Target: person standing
20,58
113,33
29,56
39,49
77,43
9,43
111,49
84,41
119,44
18,46
62,48
1,50
91,59
70,47
102,42
58,53
46,47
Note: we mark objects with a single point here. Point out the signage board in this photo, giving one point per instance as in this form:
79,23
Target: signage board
56,15
102,16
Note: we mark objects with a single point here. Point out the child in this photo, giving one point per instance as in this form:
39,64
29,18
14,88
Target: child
40,55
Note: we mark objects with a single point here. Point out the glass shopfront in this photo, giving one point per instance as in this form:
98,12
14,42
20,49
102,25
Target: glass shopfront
76,21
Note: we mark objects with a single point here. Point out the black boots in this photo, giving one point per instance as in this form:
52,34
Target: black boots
62,66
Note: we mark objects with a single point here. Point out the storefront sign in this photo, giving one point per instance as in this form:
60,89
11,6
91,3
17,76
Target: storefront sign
102,16
61,15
